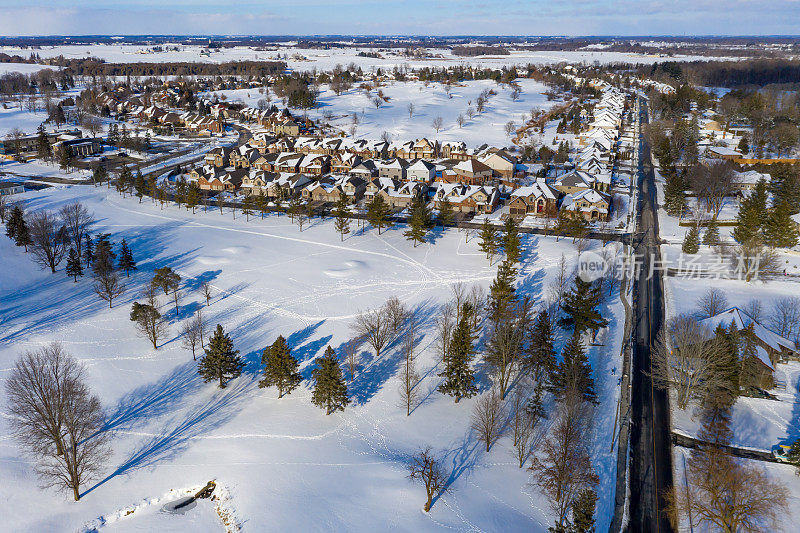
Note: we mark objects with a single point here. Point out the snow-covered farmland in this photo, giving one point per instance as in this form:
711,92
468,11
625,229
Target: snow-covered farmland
285,465
308,59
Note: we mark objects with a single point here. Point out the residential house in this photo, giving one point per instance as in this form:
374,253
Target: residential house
538,199
421,170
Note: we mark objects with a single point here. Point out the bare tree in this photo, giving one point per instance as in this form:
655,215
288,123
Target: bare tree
425,468
396,313
685,360
4,208
148,319
712,303
374,327
437,123
523,424
108,285
192,332
559,286
410,108
76,219
486,419
712,184
564,468
445,323
785,317
509,127
754,309
351,359
470,112
505,344
49,239
56,419
460,120
206,288
722,493
409,378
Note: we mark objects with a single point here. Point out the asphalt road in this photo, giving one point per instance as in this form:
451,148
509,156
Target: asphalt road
650,477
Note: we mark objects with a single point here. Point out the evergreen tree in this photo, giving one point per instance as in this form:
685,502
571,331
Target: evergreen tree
511,240
780,230
221,362
192,196
22,236
280,368
728,366
330,390
262,204
139,185
573,375
420,220
124,180
446,213
378,213
674,195
711,236
247,206
104,256
180,191
583,512
64,160
342,223
126,261
88,249
74,267
501,291
488,237
752,214
43,149
743,145
99,173
15,219
579,305
691,243
459,378
541,353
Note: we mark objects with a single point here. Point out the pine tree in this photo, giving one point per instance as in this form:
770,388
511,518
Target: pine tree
501,291
511,240
126,261
419,222
579,305
728,366
262,204
541,354
192,196
674,195
573,376
221,362
780,230
88,250
691,243
711,236
15,219
459,378
280,368
378,213
446,213
139,185
330,390
752,214
74,267
247,206
104,256
743,145
43,149
342,223
488,237
99,173
22,236
583,512
180,191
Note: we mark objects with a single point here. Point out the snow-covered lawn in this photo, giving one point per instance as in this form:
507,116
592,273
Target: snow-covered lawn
286,465
429,102
14,117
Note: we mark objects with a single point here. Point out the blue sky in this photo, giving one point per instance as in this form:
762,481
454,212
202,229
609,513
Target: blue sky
404,17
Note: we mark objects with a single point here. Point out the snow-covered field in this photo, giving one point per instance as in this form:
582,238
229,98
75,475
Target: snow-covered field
429,102
285,464
307,59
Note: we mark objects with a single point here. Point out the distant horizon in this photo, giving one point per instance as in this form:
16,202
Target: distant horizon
396,36
444,18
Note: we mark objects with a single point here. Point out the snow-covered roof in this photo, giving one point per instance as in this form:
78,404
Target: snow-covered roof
742,320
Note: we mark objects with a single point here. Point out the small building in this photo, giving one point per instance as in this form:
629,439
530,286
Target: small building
8,188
